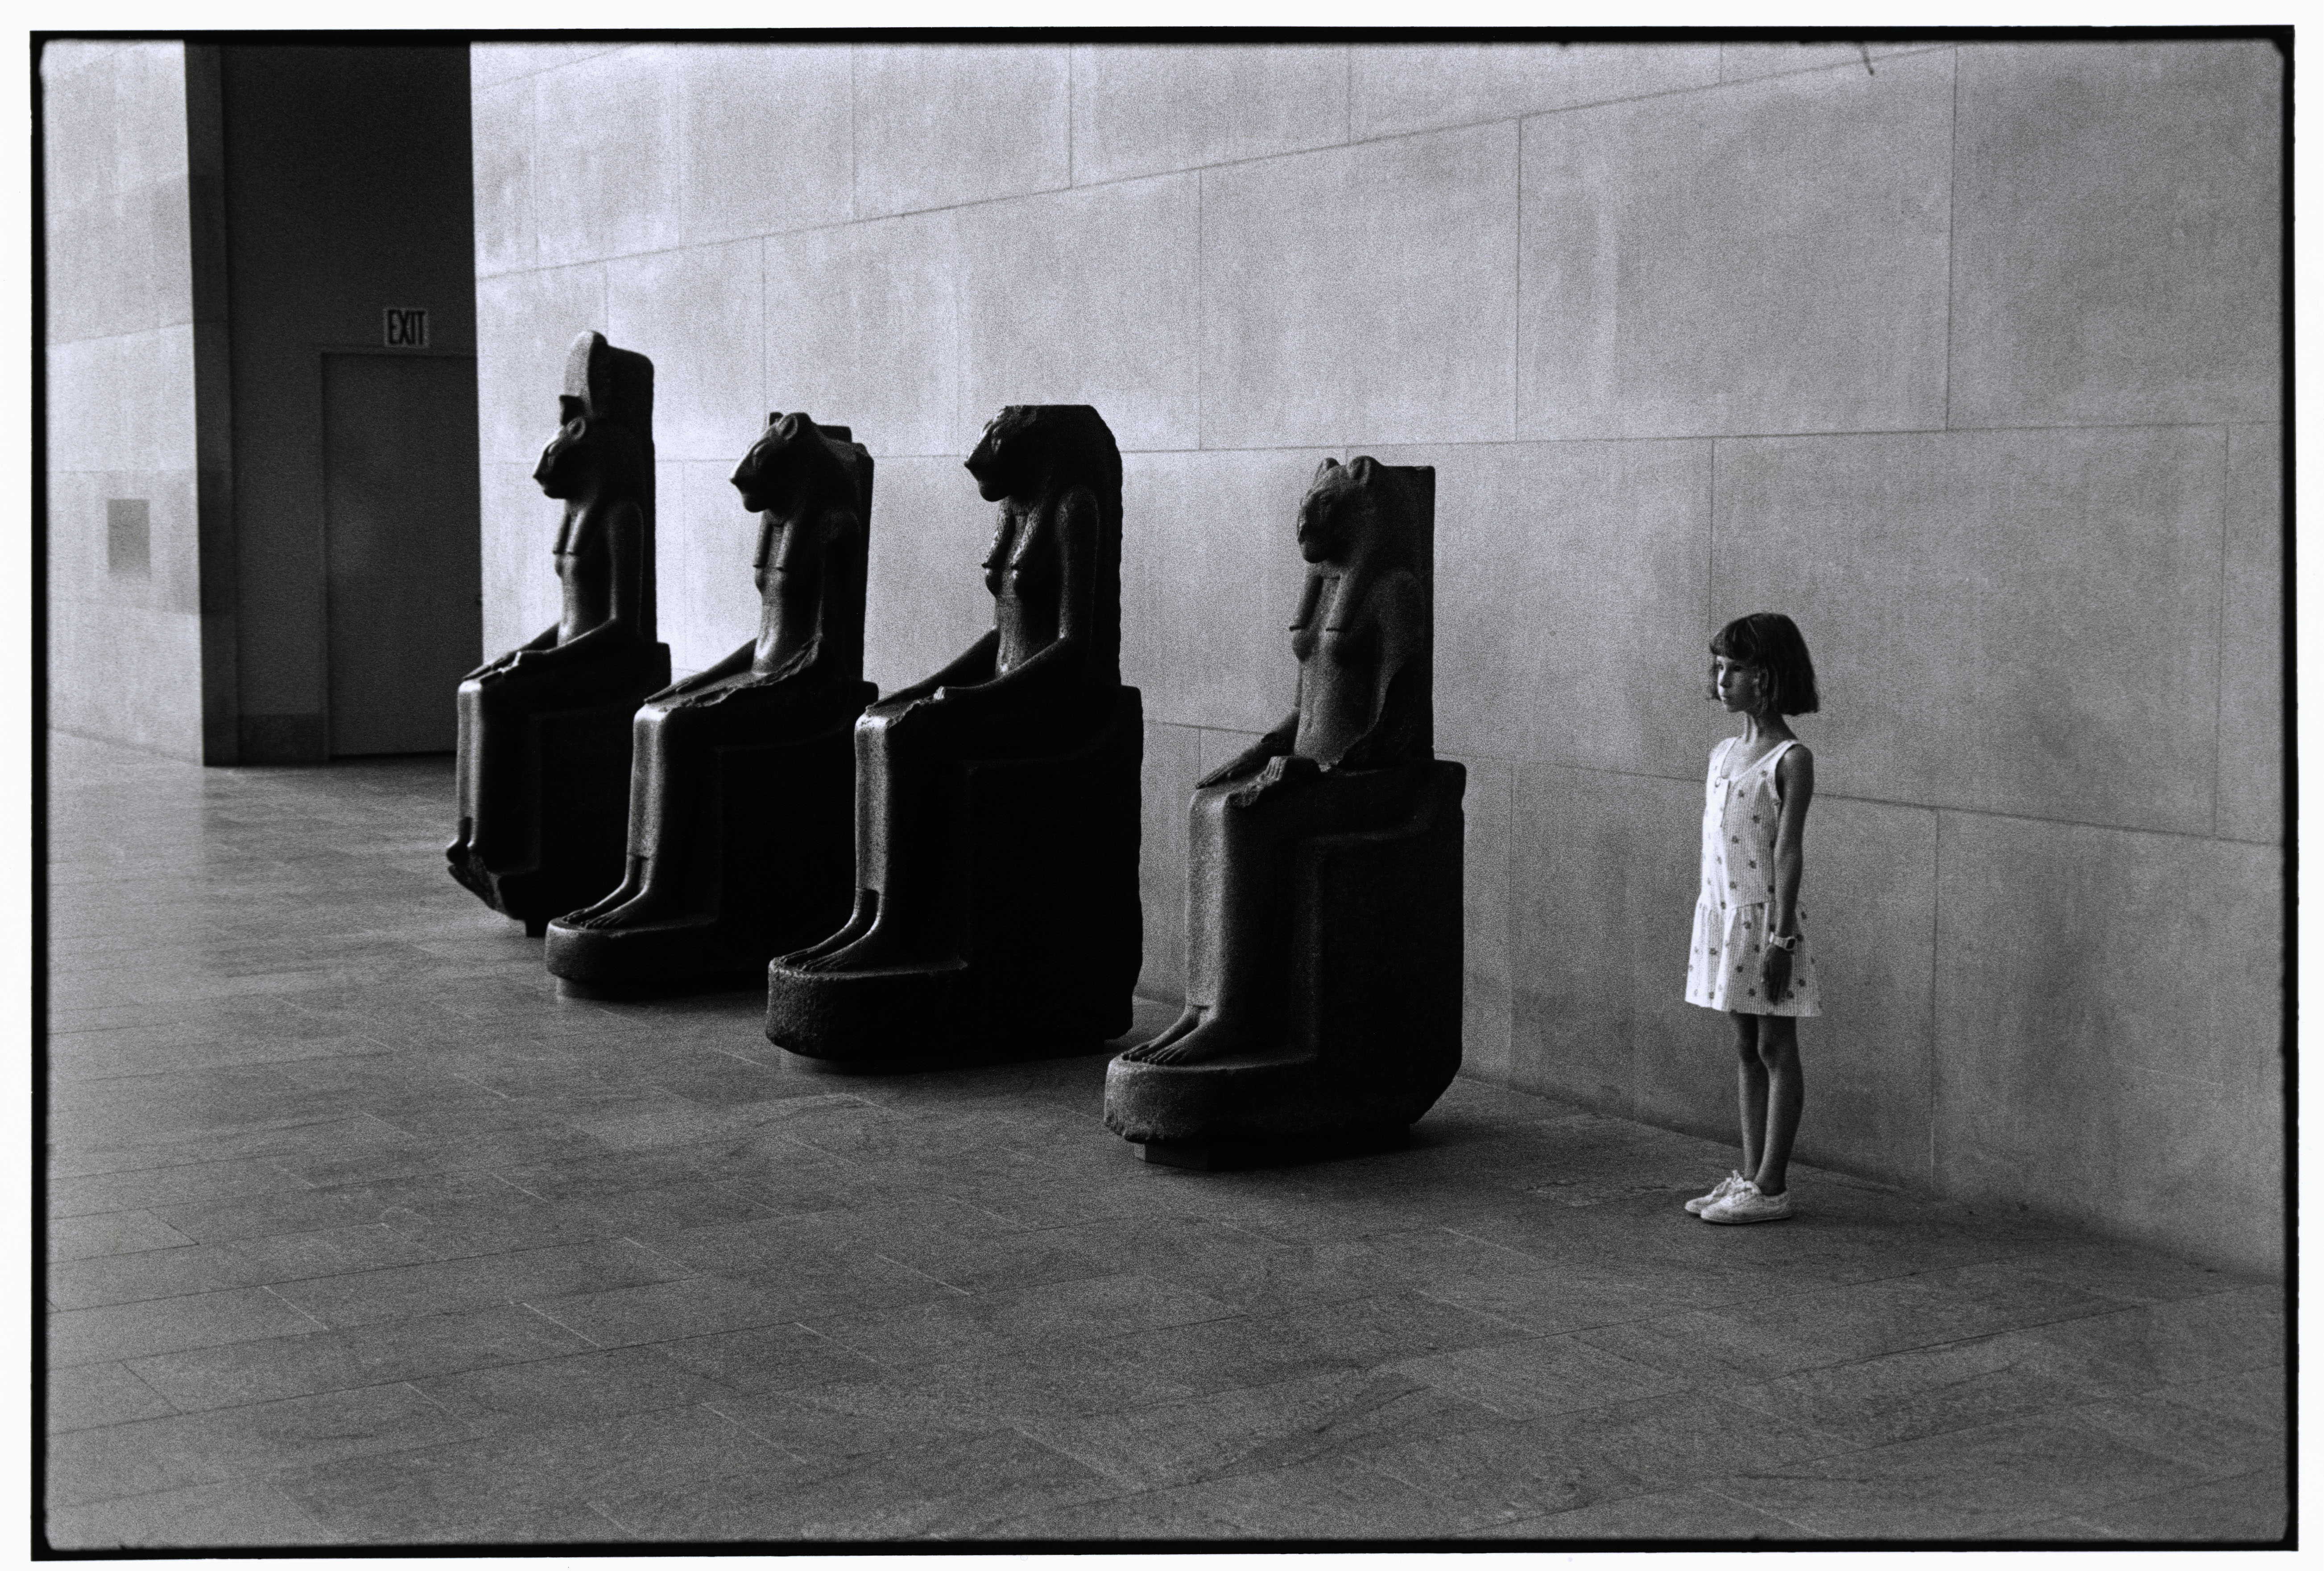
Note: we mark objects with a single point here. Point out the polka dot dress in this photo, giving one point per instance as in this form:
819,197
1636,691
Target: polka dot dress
1739,891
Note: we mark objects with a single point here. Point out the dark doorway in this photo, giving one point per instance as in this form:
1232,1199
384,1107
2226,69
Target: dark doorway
402,567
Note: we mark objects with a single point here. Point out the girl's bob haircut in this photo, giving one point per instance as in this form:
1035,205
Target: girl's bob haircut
1768,640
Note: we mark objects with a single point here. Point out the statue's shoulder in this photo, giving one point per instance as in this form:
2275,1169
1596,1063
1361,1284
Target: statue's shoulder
1397,594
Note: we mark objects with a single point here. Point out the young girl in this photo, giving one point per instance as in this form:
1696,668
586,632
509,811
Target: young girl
1748,957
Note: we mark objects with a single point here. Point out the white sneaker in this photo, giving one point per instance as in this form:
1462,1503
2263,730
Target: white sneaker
1747,1204
1726,1186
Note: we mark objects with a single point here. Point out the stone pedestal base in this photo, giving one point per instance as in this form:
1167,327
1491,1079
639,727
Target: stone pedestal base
555,787
774,870
1372,1031
1051,932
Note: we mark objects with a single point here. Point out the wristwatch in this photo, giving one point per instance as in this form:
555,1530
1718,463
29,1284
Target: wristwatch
1789,943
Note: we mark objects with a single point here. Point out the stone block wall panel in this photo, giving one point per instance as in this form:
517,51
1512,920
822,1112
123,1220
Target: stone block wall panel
521,595
767,138
1150,108
2251,640
1974,601
940,125
1362,294
493,64
705,542
123,402
1113,323
1743,62
695,313
863,331
1767,257
1485,994
606,142
501,155
125,651
1396,88
1211,579
1602,876
2107,1012
925,599
526,323
2117,234
1172,764
1579,572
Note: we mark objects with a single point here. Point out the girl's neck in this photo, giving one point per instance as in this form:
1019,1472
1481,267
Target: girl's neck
1763,728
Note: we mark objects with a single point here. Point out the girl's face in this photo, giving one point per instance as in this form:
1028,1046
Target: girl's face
1742,688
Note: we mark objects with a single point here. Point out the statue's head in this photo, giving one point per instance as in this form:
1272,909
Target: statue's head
604,419
793,460
1359,509
1030,447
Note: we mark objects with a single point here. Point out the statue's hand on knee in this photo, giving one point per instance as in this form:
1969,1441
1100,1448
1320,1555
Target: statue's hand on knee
1284,770
1249,761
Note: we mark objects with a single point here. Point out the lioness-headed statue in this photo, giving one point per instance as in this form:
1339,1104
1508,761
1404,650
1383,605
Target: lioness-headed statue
803,674
1323,871
535,830
996,838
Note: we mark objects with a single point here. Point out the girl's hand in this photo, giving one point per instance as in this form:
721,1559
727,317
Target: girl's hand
1774,973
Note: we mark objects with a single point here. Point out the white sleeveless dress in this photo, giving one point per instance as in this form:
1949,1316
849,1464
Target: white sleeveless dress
1738,890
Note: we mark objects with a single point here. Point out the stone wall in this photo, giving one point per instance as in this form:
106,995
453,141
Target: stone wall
125,454
216,220
1965,356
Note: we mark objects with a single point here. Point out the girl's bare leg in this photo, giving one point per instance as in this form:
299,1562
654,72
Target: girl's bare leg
1784,1093
1750,1088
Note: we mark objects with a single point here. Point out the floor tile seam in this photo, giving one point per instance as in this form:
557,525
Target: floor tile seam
54,1260
415,1266
2073,1412
264,1471
262,1480
183,1411
1765,1507
1877,1454
1532,1330
226,1285
1731,1376
863,1458
55,1177
124,1365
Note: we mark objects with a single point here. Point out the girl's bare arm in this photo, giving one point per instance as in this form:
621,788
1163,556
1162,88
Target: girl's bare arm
1795,789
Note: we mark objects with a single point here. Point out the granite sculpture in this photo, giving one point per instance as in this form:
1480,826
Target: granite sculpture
1324,872
544,732
996,909
743,780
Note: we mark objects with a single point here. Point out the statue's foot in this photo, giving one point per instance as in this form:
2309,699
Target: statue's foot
882,948
1217,1037
858,922
650,906
633,884
467,870
1187,1020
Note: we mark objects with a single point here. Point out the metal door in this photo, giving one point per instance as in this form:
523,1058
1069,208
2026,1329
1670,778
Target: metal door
404,574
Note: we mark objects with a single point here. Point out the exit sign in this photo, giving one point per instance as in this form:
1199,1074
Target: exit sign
407,327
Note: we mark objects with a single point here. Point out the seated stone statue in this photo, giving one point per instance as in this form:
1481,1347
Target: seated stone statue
544,737
741,784
1324,864
996,836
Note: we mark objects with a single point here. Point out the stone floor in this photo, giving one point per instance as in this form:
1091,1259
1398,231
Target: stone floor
360,1235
